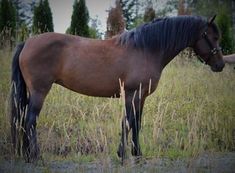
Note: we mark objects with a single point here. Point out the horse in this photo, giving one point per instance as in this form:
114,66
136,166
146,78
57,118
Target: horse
133,59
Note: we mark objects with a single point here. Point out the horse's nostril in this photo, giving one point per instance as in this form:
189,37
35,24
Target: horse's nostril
218,67
221,65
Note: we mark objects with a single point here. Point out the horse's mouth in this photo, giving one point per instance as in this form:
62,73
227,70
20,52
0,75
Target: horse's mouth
217,68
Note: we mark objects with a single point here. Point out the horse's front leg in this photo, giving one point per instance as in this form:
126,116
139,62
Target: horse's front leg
131,120
136,114
124,136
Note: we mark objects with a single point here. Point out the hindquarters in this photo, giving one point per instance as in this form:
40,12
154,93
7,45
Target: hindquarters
34,71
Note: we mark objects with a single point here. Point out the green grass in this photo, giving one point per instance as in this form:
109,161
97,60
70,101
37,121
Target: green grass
192,111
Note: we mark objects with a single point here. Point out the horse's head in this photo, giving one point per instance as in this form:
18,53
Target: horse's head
207,46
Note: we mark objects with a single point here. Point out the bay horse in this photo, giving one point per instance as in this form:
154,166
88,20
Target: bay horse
135,59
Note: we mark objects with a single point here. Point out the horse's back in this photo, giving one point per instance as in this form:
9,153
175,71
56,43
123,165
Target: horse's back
74,62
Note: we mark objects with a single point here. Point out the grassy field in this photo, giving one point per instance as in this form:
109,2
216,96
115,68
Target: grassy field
192,111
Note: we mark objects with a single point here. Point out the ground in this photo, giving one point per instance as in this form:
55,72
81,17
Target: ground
205,163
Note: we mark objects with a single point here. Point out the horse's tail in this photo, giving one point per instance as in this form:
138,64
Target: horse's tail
18,101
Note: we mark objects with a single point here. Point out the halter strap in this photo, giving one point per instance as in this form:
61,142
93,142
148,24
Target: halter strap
213,50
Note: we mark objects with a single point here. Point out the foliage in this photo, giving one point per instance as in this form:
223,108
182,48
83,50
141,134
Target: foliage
42,19
48,16
7,17
169,7
128,10
24,17
7,23
149,14
68,31
23,32
80,18
22,12
115,21
139,20
200,7
224,16
225,25
183,9
94,33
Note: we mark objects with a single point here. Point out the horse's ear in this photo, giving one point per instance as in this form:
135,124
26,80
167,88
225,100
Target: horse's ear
211,20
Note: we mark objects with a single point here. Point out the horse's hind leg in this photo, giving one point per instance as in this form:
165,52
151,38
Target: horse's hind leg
30,148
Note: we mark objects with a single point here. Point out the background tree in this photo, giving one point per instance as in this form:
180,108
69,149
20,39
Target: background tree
23,32
225,25
183,8
80,19
94,28
48,16
42,19
115,21
149,13
24,12
7,16
224,11
129,11
169,8
7,23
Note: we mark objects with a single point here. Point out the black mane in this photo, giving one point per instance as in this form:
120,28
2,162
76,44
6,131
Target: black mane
172,33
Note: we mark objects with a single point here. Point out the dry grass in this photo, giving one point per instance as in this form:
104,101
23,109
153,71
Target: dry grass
192,111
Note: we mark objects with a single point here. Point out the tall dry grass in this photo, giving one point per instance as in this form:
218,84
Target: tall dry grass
192,111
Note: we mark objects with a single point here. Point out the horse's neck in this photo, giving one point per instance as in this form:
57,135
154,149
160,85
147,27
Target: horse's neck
168,56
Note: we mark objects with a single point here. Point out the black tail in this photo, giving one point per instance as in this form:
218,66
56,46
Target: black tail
19,100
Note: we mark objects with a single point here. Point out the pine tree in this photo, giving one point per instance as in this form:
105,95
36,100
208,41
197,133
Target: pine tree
7,23
7,17
38,26
48,16
80,18
42,19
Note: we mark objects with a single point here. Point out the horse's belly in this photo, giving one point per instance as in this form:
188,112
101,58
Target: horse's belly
93,87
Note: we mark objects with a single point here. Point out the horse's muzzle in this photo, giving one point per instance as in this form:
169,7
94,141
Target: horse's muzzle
218,67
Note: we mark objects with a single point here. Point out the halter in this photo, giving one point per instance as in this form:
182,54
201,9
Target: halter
213,50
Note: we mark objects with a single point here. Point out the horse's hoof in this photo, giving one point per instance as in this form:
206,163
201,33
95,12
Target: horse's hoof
120,152
31,156
136,152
